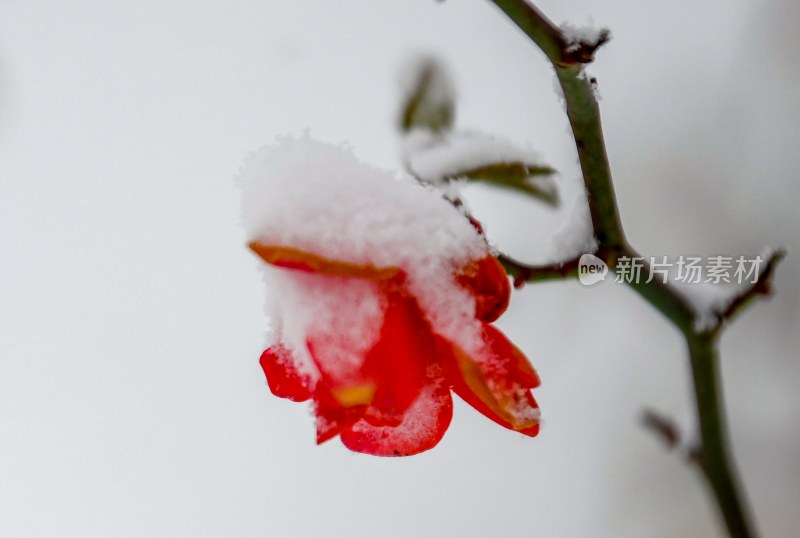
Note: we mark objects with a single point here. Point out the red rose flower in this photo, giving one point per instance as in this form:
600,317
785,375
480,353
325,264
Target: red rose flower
383,295
389,395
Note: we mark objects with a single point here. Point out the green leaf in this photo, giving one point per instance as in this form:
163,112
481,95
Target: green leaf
430,103
533,180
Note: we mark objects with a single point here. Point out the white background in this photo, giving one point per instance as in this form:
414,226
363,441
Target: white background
131,400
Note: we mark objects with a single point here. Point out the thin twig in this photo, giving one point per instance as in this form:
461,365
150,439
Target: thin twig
662,426
714,453
668,432
522,272
761,287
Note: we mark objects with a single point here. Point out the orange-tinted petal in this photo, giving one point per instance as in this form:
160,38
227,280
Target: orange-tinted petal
423,426
487,281
510,359
283,377
498,385
292,258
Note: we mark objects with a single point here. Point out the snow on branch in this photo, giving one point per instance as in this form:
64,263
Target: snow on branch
715,304
583,41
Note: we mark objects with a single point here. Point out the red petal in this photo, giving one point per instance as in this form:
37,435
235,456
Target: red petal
422,427
283,378
399,359
292,258
487,281
499,385
510,359
342,369
332,417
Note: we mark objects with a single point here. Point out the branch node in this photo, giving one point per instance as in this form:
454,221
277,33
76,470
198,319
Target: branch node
582,46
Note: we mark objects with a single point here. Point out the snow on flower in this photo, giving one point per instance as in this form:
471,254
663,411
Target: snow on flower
381,299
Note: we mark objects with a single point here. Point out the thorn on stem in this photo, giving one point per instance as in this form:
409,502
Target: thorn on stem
695,455
761,287
662,426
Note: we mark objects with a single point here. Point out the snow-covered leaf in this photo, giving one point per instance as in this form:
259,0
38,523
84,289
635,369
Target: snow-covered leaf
532,179
439,159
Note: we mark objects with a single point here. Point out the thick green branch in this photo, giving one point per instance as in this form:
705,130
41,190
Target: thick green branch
538,27
584,117
583,113
662,297
715,459
549,37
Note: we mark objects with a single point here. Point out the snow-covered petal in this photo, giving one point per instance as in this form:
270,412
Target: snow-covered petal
399,359
284,378
331,417
304,196
422,428
383,293
293,258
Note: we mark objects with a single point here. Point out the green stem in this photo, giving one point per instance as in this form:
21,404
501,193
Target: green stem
537,27
522,272
715,459
661,296
584,118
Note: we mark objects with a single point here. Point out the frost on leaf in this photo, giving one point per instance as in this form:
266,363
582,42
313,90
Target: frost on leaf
437,155
470,155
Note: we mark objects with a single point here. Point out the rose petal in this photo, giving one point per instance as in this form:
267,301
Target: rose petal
422,427
511,361
283,377
345,317
342,369
487,281
399,359
292,258
498,386
331,416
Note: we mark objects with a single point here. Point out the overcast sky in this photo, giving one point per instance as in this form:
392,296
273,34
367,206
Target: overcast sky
131,315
